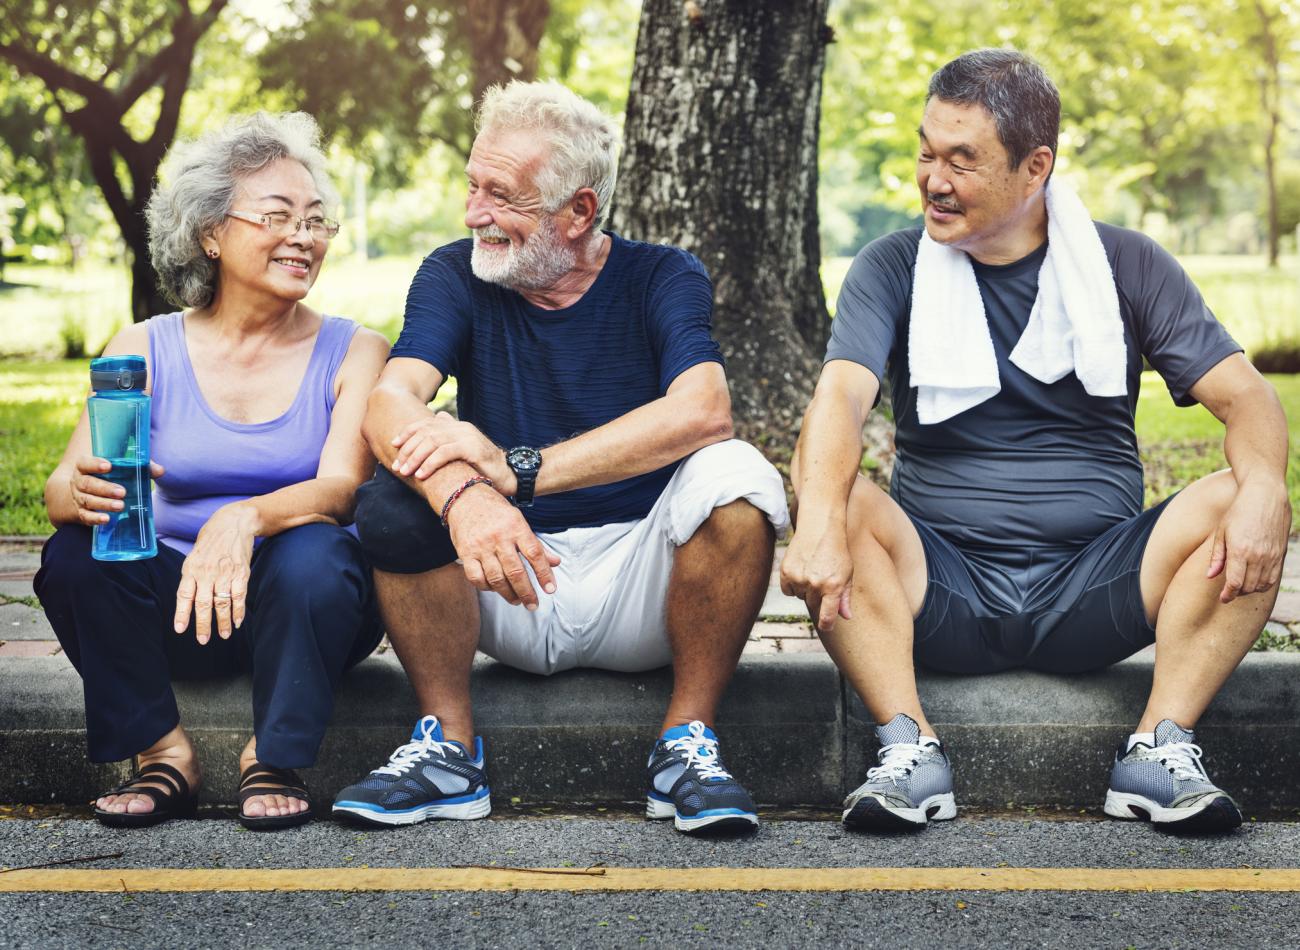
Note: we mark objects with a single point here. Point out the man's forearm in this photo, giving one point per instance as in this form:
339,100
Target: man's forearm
1255,437
388,413
826,459
643,440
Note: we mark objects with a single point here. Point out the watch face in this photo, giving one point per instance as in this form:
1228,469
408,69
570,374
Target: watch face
524,459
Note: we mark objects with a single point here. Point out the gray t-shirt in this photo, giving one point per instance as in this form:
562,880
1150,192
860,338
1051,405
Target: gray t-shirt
1039,467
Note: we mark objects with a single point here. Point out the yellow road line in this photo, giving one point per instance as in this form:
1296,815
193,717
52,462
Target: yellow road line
650,879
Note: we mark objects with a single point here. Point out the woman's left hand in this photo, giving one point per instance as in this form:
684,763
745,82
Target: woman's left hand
214,578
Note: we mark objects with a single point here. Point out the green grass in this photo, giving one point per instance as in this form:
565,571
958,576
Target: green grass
39,405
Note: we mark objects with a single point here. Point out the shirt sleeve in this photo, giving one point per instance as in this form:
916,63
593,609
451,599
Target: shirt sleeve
873,303
679,312
438,318
1175,329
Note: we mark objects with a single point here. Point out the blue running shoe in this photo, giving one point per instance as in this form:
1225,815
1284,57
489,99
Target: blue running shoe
1167,785
689,784
429,777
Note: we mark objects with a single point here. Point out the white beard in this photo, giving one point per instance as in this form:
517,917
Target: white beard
542,260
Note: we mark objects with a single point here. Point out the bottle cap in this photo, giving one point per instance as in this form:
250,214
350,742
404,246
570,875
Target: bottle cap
118,374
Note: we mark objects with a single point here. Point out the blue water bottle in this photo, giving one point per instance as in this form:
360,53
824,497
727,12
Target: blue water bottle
119,432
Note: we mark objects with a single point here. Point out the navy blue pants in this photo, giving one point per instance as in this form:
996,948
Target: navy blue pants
310,615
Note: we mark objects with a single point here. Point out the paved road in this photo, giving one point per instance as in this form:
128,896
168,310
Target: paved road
616,839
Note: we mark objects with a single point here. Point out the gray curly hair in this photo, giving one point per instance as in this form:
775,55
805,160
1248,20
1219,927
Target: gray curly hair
201,178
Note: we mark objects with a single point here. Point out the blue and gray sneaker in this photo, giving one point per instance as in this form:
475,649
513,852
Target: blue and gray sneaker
429,777
911,785
1167,785
689,784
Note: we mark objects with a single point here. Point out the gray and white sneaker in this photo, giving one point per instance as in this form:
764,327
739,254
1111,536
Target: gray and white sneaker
1167,785
911,785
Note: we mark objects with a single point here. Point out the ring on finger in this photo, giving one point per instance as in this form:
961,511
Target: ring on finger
221,594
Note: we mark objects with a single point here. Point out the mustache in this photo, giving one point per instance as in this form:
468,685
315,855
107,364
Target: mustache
491,231
943,203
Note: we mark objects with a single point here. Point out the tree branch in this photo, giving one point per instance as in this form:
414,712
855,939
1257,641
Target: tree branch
186,31
56,77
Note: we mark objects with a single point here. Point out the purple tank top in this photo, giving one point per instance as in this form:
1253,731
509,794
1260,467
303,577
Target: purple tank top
211,461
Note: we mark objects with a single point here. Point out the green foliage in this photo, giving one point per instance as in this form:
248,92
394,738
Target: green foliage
39,405
1288,193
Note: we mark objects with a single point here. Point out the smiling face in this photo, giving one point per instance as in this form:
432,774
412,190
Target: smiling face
517,243
972,199
253,258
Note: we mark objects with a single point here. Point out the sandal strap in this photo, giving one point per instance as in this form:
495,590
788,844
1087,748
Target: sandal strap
254,781
166,771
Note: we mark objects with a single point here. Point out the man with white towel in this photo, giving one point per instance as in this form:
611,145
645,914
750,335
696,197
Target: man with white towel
1013,330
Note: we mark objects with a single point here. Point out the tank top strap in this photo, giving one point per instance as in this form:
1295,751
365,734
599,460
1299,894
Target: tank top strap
336,335
166,349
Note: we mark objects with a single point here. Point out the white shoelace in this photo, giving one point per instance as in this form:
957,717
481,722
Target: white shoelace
701,752
1183,759
407,755
897,760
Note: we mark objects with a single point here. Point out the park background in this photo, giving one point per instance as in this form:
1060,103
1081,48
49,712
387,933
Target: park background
748,123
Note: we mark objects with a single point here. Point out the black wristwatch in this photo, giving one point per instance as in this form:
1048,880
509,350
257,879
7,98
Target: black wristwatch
525,462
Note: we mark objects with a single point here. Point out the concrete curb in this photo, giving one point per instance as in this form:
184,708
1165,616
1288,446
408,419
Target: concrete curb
791,731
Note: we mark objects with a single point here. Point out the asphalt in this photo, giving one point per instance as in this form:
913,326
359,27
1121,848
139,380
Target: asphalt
921,918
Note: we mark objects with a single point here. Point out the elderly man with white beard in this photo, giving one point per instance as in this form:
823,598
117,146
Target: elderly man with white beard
589,507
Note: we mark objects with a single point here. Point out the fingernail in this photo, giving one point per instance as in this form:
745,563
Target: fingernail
531,606
178,628
549,588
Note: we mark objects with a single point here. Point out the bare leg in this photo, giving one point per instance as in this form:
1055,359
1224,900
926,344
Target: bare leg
174,749
874,650
715,591
432,621
1199,641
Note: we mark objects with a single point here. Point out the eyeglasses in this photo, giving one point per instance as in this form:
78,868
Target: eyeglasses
283,224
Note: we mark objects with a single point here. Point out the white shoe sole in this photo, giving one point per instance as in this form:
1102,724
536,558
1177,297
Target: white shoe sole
1214,811
463,811
656,810
877,812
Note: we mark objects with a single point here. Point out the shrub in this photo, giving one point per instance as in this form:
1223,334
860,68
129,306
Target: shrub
1282,356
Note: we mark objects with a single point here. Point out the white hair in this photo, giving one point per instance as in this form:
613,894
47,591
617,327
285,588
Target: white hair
583,140
201,177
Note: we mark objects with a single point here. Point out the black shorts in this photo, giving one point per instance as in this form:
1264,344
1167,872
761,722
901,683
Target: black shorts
1066,612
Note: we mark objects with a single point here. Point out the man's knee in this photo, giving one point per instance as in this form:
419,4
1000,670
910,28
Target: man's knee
399,532
727,485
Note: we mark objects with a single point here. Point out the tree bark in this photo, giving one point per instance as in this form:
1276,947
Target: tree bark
503,38
720,157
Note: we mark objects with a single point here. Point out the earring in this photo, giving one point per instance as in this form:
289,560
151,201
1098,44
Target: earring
213,253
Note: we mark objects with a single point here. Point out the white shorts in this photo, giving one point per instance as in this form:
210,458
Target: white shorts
608,609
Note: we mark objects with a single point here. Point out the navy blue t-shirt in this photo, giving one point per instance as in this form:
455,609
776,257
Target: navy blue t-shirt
530,376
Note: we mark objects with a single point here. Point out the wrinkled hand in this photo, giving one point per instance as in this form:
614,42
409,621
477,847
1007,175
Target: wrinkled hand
490,536
1250,542
214,578
428,444
94,495
818,568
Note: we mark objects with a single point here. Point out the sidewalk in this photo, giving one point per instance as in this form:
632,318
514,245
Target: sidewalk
791,727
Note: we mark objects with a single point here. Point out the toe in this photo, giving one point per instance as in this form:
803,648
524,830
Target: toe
139,805
255,807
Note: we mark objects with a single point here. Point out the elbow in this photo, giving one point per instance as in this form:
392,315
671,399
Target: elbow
714,422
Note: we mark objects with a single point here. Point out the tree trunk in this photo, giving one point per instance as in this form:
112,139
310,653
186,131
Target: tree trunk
503,38
1270,94
720,157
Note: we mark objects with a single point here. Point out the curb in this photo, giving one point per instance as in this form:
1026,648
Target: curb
791,730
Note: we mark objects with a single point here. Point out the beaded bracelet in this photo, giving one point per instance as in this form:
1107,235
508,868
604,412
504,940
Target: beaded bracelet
476,480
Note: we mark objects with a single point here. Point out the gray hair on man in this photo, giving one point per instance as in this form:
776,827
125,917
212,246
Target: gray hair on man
200,180
583,140
1023,101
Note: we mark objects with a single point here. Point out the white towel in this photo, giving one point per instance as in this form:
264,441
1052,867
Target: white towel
1075,325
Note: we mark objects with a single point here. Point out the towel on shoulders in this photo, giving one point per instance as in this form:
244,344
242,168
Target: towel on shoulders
1074,326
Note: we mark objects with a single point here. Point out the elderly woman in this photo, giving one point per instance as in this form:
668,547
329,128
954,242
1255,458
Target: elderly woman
257,408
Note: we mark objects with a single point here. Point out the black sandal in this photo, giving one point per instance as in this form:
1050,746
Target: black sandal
174,801
256,781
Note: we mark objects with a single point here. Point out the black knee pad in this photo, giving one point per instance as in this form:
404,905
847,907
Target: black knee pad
399,532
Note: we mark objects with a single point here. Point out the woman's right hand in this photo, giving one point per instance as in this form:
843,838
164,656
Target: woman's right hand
93,495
